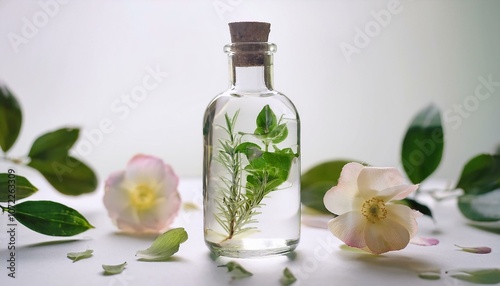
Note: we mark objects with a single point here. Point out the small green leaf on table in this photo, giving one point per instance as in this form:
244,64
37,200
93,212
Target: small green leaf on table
236,270
75,256
430,275
164,246
51,218
423,145
479,276
288,278
114,269
11,118
20,186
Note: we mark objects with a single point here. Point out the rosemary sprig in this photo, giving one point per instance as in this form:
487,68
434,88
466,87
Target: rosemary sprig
265,171
231,204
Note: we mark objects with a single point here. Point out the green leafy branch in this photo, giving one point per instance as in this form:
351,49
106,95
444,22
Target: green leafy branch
421,154
266,170
49,155
231,214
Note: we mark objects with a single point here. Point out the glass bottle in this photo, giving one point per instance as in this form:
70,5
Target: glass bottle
251,166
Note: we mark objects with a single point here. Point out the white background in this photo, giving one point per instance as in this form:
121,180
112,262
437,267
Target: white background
82,56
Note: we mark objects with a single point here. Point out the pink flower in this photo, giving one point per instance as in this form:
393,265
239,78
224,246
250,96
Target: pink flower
143,198
367,218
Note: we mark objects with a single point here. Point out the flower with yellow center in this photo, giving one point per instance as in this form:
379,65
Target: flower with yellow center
367,217
143,198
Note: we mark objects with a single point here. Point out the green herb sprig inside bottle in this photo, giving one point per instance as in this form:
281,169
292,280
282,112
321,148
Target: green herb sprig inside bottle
251,166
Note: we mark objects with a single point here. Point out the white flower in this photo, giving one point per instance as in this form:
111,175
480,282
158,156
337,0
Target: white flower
367,217
143,198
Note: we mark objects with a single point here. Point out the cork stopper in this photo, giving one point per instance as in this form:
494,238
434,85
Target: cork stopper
249,40
243,32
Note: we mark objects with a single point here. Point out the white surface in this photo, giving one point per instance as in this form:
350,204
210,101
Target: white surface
318,260
75,69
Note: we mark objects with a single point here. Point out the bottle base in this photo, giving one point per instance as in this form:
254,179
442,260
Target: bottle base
252,248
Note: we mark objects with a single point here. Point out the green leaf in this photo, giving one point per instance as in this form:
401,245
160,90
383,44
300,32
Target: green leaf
316,181
480,181
67,175
423,145
114,269
14,187
288,277
483,207
279,133
75,256
237,271
480,175
51,218
479,276
266,121
164,246
11,118
274,165
312,196
54,145
413,204
430,275
251,150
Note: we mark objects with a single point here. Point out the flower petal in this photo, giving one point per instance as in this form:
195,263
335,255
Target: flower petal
113,200
145,169
349,228
170,180
475,249
424,241
397,192
341,198
372,180
386,235
405,216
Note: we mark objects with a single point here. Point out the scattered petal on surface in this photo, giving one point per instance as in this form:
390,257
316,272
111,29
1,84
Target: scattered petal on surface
114,269
477,250
189,206
424,241
75,256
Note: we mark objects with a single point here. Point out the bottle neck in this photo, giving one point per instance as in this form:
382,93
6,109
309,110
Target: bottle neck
251,66
252,78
